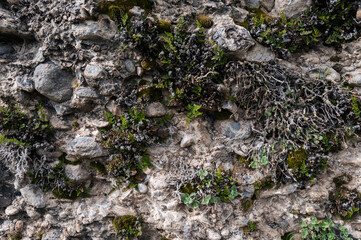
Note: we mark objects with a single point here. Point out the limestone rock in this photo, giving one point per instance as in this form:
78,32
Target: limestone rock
33,196
155,109
53,82
187,140
84,147
77,172
233,38
212,235
291,8
104,29
354,78
11,27
234,130
93,72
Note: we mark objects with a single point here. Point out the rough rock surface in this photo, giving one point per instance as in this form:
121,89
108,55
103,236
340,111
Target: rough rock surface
69,53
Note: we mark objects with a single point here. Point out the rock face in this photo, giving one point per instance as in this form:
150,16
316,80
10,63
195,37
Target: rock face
291,8
70,57
33,196
234,39
84,147
53,82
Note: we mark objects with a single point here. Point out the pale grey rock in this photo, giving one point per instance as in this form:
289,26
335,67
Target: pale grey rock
129,65
25,84
225,232
33,196
332,75
158,181
253,3
235,39
239,14
90,30
84,147
142,188
77,172
291,8
85,92
12,210
234,129
11,27
187,140
53,82
63,109
268,4
358,14
213,235
32,213
354,78
259,53
92,73
155,109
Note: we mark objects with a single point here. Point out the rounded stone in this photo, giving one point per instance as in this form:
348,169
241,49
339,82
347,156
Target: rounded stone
142,188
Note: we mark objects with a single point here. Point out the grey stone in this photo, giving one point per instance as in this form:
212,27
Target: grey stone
33,196
91,30
11,27
212,235
239,14
25,84
291,8
155,109
142,188
187,140
85,92
252,3
76,172
93,72
234,39
129,65
53,82
259,53
84,147
12,210
354,78
6,49
63,109
234,130
268,4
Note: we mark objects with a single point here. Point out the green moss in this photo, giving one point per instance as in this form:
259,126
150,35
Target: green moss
151,93
15,236
60,193
128,226
165,26
147,64
75,124
98,166
247,204
3,139
116,9
251,227
263,184
341,180
204,21
296,159
188,188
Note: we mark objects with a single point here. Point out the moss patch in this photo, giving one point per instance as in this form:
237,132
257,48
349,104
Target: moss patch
128,226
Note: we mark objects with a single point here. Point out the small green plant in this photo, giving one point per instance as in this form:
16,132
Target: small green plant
323,229
128,226
261,160
209,188
193,112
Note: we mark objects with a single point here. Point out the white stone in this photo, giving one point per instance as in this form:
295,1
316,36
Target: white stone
291,8
142,188
212,235
187,140
33,196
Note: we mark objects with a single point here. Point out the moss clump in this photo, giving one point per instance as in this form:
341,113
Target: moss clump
15,236
296,159
147,64
116,9
128,226
165,26
204,21
341,180
60,193
188,188
247,204
251,227
263,184
98,166
75,124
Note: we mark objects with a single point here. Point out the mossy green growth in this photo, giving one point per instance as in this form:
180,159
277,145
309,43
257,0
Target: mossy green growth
165,26
128,226
247,204
98,166
147,64
251,227
341,180
60,193
297,159
204,21
188,188
263,184
15,236
3,139
116,9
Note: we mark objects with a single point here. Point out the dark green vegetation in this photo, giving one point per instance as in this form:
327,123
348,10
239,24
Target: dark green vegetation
323,229
298,120
55,180
209,187
328,22
127,137
120,7
128,226
344,202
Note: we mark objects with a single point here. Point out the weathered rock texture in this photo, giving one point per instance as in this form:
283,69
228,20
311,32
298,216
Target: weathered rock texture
65,54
